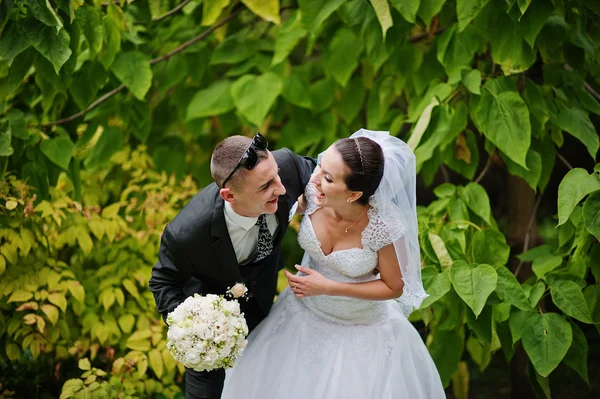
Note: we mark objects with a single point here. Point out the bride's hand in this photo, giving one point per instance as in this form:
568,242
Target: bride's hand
313,283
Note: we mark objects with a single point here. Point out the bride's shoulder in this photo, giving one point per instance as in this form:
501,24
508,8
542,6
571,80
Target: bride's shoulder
382,230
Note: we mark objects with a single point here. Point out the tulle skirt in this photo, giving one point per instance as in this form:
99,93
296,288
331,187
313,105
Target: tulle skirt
295,354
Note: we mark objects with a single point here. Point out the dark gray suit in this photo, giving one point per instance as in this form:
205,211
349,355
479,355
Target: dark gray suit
196,255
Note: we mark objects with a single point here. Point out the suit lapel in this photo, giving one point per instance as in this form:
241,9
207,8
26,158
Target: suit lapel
222,245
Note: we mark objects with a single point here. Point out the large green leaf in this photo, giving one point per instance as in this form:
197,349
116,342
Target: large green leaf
132,68
490,247
266,9
407,8
43,11
531,24
17,124
567,296
546,340
429,9
352,99
288,37
314,12
446,350
59,150
477,200
463,156
473,283
5,141
322,94
509,49
214,100
503,118
510,289
52,45
212,10
576,184
90,21
591,214
534,168
472,80
382,10
13,41
110,141
467,10
435,284
296,91
578,124
254,95
111,45
342,56
455,50
576,357
439,128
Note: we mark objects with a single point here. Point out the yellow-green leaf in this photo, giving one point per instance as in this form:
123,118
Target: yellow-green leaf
2,264
126,322
41,323
20,296
85,241
140,335
108,298
168,360
96,227
266,9
156,362
382,10
212,10
84,364
77,290
10,205
13,351
131,288
10,252
111,211
59,300
51,312
141,345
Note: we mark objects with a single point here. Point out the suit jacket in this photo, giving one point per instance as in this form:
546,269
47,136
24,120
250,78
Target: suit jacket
196,253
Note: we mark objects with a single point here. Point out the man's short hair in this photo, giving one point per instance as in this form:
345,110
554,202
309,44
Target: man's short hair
225,158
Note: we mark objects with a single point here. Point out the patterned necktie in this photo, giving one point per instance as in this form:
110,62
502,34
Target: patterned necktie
265,241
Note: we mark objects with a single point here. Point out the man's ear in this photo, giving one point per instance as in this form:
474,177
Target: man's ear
227,195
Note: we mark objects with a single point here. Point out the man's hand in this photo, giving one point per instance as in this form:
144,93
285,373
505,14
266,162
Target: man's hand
312,284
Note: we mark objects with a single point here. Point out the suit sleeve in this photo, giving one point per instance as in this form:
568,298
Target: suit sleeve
169,274
305,166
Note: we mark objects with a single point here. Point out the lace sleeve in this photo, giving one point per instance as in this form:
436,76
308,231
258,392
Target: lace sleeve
382,230
309,193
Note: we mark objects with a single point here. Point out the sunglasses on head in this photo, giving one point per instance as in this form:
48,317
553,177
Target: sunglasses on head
249,158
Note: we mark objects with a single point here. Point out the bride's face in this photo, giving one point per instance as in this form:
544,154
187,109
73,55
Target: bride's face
328,178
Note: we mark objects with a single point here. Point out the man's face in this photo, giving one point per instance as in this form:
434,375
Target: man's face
258,191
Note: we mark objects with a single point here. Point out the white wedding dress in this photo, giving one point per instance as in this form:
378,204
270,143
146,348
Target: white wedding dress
336,347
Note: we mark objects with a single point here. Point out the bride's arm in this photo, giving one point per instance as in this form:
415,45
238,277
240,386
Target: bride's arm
389,286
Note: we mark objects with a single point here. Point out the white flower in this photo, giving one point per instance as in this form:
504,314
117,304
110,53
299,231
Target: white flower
238,290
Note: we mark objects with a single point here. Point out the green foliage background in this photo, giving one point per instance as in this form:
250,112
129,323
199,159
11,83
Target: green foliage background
110,111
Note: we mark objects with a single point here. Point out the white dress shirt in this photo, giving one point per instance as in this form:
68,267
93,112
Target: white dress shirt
243,231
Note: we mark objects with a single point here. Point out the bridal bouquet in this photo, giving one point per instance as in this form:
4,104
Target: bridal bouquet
207,332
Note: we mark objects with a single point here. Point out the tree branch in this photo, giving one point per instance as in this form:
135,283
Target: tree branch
485,168
152,62
528,234
567,164
173,11
585,84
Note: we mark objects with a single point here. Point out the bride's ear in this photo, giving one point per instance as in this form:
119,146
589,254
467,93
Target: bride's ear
354,195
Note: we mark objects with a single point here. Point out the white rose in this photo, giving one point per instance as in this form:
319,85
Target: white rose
191,358
238,290
175,333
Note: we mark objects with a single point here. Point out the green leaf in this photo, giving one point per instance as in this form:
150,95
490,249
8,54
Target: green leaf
438,131
467,10
436,284
342,55
212,10
288,37
35,175
59,300
59,150
473,283
477,200
126,322
490,247
132,68
43,11
108,144
547,340
446,350
267,10
578,124
472,80
407,8
111,44
440,250
214,100
51,312
20,296
567,296
576,184
429,9
314,12
503,118
77,290
591,214
463,156
482,325
576,357
455,50
533,172
509,49
90,20
6,149
17,124
531,24
296,91
445,190
545,264
382,10
13,41
536,292
509,289
156,362
352,99
232,50
84,364
422,124
523,5
52,45
255,95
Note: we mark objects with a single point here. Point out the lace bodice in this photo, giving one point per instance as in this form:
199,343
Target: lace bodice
349,265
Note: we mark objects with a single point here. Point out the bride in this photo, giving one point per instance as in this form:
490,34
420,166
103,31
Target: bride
338,331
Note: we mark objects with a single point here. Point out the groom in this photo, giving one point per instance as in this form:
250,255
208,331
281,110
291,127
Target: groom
231,232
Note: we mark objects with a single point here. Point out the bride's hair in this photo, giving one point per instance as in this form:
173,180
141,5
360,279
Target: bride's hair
364,158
